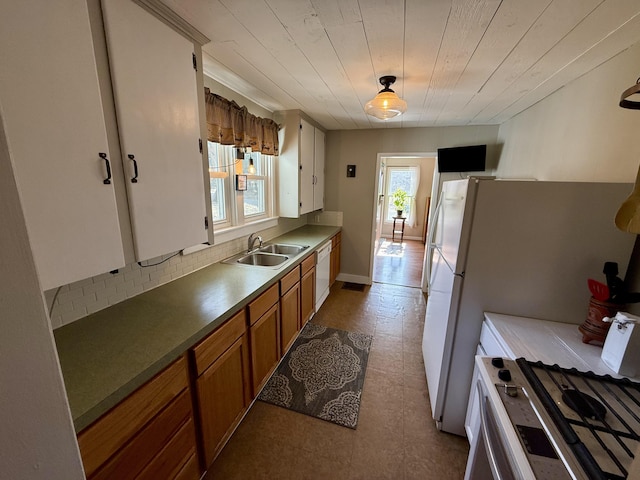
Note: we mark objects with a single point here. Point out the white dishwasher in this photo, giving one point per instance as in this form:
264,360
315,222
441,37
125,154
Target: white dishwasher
323,268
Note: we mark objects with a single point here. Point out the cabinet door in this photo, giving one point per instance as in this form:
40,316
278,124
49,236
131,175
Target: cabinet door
307,295
307,152
265,346
56,130
290,313
318,170
156,103
224,393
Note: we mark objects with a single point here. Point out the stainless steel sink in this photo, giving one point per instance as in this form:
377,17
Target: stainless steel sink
262,259
267,256
283,249
259,259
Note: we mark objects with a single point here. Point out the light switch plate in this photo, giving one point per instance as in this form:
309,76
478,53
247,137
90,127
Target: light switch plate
351,170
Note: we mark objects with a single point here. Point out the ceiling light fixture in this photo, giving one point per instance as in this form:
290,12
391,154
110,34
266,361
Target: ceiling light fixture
386,103
252,169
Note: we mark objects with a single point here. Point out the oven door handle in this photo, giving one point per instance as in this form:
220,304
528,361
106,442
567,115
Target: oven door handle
495,451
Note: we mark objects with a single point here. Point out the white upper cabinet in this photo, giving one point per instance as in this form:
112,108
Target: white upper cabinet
300,165
318,170
307,173
50,101
154,80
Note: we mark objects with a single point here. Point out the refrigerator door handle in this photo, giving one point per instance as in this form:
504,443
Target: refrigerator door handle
431,244
444,259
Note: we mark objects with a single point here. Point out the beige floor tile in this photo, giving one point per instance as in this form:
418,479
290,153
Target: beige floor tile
413,362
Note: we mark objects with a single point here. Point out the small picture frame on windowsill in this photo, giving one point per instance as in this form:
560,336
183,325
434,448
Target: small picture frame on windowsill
241,183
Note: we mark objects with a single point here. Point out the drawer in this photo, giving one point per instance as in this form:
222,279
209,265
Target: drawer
134,456
308,263
176,454
107,435
263,303
289,280
208,351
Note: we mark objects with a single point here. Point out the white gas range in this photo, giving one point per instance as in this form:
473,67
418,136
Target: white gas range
546,422
542,421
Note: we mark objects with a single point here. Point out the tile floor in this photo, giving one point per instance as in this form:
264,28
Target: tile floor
395,438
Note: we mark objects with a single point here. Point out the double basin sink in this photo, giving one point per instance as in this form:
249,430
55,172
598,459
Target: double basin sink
273,255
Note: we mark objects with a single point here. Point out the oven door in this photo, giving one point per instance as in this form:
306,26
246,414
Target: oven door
488,457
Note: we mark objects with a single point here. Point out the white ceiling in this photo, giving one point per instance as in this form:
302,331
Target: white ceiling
458,62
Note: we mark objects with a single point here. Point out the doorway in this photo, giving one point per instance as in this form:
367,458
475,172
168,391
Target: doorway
399,244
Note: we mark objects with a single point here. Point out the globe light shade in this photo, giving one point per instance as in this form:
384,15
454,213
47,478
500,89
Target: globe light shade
386,103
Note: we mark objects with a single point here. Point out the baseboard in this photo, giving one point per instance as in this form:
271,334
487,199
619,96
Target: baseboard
345,277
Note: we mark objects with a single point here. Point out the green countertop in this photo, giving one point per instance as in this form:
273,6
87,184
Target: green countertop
109,354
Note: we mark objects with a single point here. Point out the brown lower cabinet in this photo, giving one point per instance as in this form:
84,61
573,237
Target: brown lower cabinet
223,383
307,289
289,308
150,434
264,335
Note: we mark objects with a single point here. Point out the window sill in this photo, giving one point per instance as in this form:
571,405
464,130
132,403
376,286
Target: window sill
233,233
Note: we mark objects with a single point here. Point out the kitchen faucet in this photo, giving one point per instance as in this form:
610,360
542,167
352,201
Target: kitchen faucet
252,240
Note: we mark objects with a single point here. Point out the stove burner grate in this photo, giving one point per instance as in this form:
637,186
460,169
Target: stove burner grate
609,424
583,404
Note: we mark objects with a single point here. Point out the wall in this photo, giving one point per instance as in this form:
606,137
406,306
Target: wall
581,134
355,196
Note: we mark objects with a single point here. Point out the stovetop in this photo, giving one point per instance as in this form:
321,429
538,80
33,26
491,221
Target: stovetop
597,416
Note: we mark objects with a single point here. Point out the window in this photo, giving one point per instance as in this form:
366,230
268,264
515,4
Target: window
231,208
256,196
399,177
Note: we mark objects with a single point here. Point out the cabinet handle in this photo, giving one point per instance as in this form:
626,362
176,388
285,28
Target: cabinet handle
135,168
103,156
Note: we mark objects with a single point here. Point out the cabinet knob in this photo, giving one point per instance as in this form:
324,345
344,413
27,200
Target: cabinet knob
135,168
103,156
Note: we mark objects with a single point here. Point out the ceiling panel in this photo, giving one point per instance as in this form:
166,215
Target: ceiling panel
458,62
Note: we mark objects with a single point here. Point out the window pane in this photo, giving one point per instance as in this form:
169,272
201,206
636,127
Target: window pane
217,184
218,209
254,197
398,178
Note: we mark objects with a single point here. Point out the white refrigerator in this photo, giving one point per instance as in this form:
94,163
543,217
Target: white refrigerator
524,248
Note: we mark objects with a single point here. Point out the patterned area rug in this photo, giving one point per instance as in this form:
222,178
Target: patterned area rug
322,375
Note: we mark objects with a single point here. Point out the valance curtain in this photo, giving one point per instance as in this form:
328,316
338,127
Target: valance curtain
230,124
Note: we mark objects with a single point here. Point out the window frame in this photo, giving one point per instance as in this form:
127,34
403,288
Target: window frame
237,223
390,210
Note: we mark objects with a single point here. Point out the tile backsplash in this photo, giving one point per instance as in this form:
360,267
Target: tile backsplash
85,297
